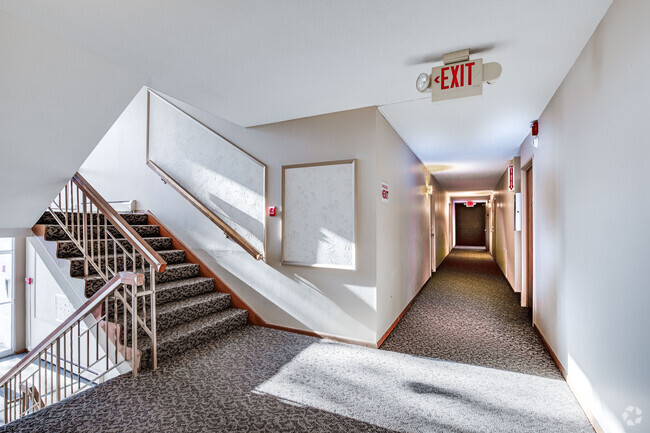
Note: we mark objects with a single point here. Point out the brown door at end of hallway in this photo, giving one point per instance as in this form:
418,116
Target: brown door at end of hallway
470,225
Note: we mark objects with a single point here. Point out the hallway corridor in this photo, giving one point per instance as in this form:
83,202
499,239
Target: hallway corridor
260,379
468,313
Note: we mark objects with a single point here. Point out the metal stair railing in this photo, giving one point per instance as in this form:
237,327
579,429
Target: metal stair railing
88,347
88,220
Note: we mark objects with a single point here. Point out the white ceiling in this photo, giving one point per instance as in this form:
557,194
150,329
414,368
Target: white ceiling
259,61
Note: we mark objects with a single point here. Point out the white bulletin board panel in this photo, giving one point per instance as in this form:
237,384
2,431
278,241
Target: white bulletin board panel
319,215
221,176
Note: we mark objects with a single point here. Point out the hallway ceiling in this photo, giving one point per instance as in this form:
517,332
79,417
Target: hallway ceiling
257,62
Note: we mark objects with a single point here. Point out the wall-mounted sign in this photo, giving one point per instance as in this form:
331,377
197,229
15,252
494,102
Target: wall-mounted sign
470,204
511,177
384,192
457,80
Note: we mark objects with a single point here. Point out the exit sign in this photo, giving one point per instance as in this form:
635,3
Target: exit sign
457,80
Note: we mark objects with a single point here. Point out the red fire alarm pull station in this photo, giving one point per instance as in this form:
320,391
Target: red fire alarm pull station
535,128
28,281
272,211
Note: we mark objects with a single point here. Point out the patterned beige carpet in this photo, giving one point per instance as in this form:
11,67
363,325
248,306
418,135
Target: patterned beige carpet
262,380
468,313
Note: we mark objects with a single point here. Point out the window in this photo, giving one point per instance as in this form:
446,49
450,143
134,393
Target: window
6,295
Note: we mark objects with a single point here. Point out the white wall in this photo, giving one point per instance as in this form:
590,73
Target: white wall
403,225
57,102
340,303
507,241
590,211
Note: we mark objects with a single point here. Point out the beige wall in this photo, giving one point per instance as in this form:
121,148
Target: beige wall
590,213
339,303
403,226
442,237
507,241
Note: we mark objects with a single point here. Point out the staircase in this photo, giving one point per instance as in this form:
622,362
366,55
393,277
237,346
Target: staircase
189,309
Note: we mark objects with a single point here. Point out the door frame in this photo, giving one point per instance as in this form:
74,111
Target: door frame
432,227
527,237
12,300
452,219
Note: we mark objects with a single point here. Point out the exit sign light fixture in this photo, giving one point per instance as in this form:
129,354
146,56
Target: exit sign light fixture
459,77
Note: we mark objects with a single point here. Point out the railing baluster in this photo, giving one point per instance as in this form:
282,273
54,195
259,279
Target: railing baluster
153,311
65,369
58,371
76,214
134,329
65,211
79,355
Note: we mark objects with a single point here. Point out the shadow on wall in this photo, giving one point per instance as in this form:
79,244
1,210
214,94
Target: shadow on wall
281,295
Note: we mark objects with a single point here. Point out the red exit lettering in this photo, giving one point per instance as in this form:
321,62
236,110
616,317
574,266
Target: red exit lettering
457,76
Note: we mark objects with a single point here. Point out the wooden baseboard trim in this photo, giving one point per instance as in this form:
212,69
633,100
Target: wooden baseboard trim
320,335
21,351
404,311
592,420
550,351
205,271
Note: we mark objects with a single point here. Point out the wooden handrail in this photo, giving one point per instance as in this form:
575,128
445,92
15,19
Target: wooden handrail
88,306
148,253
228,231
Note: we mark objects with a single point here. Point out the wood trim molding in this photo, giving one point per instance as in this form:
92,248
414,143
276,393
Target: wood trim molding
408,306
205,271
550,351
592,420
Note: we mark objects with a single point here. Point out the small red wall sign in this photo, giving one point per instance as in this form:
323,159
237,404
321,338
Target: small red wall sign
511,177
384,192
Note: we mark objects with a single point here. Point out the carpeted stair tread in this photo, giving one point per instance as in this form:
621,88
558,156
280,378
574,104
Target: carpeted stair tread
67,249
176,313
181,289
172,272
54,232
170,256
130,217
180,339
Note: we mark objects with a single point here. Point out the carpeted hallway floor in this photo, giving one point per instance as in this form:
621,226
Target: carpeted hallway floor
468,313
469,364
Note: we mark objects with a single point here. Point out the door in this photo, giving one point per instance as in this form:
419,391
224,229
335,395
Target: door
470,225
6,297
529,237
432,199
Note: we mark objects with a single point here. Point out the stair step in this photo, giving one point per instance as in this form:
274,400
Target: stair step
67,249
77,264
56,232
129,217
176,313
175,341
181,289
173,272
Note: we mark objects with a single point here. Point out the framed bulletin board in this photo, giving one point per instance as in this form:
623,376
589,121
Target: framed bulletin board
319,215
